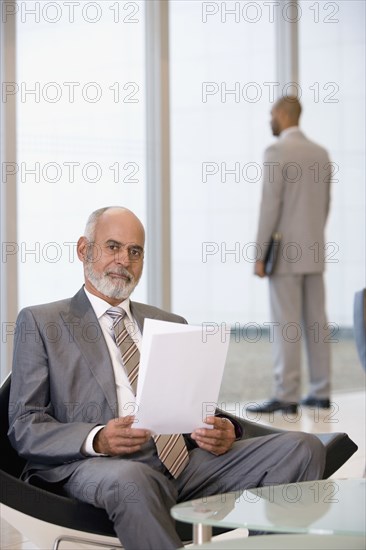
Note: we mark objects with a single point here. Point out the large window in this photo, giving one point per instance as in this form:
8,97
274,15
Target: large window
81,119
223,75
223,84
80,132
332,76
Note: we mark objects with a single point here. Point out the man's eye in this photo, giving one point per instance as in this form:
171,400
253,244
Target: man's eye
113,247
135,252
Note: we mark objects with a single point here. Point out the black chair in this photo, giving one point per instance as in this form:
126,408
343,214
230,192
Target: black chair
39,512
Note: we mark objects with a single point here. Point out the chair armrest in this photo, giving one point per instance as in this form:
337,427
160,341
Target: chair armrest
338,446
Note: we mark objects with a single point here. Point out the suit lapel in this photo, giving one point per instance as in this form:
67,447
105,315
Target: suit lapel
140,312
85,331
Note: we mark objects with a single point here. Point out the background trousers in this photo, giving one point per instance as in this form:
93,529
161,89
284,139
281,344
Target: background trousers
298,313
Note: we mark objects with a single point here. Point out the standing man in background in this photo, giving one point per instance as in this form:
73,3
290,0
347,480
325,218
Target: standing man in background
295,203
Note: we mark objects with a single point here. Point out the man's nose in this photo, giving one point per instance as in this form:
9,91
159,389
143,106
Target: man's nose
122,257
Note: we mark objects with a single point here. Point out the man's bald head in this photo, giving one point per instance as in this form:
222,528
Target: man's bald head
291,106
108,211
285,113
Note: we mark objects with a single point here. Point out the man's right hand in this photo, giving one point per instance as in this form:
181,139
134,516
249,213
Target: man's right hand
119,438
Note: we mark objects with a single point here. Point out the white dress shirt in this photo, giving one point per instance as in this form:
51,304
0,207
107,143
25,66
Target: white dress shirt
126,399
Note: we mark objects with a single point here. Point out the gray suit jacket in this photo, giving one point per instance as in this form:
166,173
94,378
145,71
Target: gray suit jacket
295,202
62,382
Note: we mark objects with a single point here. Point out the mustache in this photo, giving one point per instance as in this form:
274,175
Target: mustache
122,272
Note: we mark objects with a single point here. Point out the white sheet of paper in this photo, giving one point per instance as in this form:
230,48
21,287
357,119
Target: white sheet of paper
179,376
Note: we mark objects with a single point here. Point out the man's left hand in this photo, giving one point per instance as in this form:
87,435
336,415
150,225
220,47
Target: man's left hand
217,440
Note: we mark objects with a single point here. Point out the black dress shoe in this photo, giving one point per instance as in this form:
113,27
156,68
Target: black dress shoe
314,402
272,406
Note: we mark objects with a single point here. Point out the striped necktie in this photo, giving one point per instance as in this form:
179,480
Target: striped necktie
171,449
129,351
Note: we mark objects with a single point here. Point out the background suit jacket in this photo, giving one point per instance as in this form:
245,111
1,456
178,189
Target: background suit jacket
295,202
62,382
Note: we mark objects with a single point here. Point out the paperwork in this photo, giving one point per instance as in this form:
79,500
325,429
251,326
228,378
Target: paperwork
179,376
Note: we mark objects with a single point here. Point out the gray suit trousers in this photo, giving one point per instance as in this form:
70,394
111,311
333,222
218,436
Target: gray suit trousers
298,313
138,494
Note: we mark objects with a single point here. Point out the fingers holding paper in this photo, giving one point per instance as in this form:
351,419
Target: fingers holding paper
217,440
119,438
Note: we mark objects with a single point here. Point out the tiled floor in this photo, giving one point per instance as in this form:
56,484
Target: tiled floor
346,415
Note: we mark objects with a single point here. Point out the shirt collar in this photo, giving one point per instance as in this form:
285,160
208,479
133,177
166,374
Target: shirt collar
100,306
289,130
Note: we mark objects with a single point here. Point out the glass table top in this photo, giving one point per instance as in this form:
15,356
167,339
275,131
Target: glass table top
332,506
286,542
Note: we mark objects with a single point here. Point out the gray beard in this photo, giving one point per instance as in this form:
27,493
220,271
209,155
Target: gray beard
116,289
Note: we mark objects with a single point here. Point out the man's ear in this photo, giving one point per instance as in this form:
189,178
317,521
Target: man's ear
81,248
286,119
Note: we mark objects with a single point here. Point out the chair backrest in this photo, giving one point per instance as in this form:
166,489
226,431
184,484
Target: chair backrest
10,461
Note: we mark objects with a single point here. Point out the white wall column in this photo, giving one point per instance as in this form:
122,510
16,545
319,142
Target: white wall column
8,212
288,16
158,153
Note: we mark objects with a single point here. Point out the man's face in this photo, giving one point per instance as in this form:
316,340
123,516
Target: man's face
275,121
113,262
